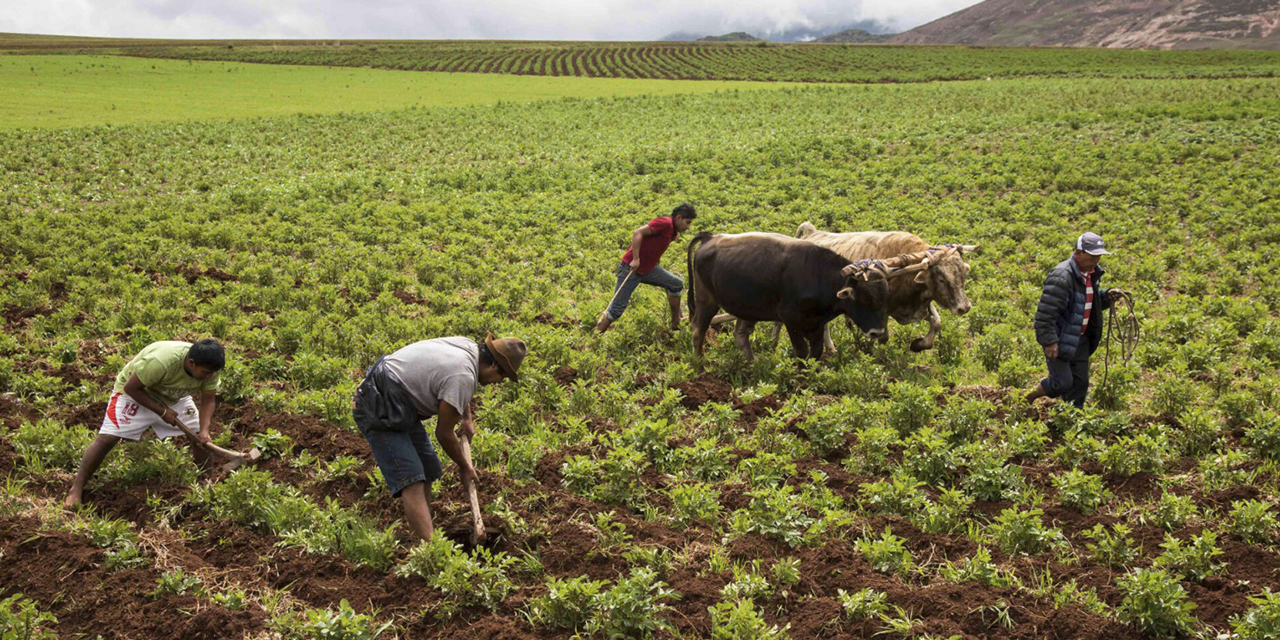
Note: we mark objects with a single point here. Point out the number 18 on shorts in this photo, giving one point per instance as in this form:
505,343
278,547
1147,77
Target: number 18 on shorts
129,420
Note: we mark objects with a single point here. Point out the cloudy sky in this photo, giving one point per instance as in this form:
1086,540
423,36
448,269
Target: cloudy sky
430,19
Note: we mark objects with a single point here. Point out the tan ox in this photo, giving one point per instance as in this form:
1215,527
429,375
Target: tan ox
910,298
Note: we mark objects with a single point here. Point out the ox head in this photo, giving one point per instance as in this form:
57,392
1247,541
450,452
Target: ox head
865,300
944,279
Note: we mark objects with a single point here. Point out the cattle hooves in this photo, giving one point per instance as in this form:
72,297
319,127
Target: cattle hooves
919,345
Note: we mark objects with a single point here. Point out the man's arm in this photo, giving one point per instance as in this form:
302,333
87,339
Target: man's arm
637,237
445,423
1052,299
134,388
208,402
467,426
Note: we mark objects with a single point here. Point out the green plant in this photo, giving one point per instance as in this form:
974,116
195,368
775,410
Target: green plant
1252,520
886,554
273,443
1172,511
633,607
125,555
177,583
703,461
746,584
978,568
739,620
21,619
105,532
1081,491
930,457
1192,559
1263,434
901,495
864,604
776,512
1112,548
610,532
692,503
766,469
477,579
990,478
910,407
946,514
1231,468
233,599
786,571
872,449
1155,603
48,444
1023,532
568,604
339,468
1262,622
1145,452
327,624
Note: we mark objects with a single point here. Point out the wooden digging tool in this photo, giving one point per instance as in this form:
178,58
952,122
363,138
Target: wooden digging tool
615,295
234,458
478,534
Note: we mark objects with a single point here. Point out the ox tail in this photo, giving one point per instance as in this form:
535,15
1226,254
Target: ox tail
693,245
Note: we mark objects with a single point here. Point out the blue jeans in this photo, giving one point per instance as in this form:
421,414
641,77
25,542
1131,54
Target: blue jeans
1068,379
658,277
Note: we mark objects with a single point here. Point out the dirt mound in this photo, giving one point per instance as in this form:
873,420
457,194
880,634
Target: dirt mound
703,389
194,272
565,376
408,297
65,575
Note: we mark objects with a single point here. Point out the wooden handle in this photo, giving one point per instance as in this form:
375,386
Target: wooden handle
209,446
472,494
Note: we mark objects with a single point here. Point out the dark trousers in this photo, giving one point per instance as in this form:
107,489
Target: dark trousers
1068,379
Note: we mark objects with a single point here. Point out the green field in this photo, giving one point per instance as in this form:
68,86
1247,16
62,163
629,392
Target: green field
739,61
75,90
880,493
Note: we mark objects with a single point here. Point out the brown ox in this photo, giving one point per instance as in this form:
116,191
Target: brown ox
910,298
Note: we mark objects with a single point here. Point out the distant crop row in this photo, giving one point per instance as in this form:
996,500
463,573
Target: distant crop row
761,61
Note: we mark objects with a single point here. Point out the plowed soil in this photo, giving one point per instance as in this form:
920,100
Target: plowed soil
66,575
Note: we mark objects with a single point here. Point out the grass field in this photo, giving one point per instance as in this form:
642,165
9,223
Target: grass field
880,493
75,90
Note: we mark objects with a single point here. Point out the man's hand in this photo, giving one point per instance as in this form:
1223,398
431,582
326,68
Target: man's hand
206,437
467,427
1051,351
170,416
635,263
1114,294
468,474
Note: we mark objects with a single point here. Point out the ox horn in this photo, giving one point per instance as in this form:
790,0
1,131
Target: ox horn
969,248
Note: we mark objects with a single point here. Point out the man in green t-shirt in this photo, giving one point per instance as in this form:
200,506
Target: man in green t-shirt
154,392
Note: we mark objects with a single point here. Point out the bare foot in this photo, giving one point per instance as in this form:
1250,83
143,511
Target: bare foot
604,323
73,500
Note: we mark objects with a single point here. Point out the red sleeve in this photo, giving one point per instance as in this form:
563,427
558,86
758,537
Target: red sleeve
661,226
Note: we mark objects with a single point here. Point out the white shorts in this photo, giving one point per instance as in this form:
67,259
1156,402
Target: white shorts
129,420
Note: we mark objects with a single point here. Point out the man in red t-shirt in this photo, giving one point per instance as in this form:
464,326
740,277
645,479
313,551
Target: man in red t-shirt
640,265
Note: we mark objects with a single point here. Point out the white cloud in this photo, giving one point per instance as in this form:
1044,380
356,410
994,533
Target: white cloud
431,19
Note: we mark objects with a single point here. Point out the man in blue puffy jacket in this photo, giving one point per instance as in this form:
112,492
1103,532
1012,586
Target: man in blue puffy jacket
1069,321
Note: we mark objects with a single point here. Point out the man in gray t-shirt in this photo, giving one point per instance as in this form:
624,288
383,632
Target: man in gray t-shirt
429,378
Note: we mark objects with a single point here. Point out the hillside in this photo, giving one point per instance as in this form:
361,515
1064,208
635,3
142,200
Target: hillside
856,36
736,36
1131,24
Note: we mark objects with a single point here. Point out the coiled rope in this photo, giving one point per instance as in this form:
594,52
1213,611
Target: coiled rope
1122,330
